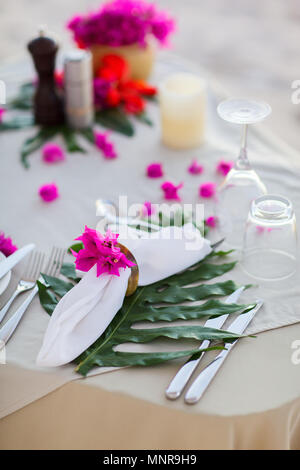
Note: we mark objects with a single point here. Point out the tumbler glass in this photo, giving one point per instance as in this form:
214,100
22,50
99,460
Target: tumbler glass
270,239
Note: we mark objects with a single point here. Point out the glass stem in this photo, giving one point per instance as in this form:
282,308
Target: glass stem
242,162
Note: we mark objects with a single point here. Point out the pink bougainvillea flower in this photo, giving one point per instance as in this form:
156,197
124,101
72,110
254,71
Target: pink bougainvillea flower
52,153
207,190
2,111
101,91
155,170
148,209
211,221
195,168
224,167
105,145
171,190
6,245
101,250
122,22
49,192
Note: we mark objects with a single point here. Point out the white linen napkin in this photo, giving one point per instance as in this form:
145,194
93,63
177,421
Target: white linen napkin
84,313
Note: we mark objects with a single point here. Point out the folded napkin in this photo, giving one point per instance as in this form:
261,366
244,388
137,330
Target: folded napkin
84,313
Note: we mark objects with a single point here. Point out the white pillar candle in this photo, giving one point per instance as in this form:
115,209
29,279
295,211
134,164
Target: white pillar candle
182,106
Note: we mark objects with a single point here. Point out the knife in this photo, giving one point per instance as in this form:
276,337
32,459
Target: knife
8,263
182,377
201,383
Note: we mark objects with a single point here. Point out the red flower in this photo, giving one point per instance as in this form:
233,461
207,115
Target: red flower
59,78
113,97
133,103
142,87
115,66
114,72
107,74
80,43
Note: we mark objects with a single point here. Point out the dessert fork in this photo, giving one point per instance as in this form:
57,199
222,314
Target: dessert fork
27,282
53,267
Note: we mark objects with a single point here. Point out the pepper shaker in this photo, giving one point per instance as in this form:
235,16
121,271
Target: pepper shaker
48,105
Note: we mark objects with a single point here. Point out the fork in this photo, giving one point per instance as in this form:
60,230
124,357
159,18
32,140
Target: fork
53,267
26,283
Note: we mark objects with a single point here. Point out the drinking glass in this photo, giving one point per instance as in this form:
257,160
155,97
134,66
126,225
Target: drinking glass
242,184
270,239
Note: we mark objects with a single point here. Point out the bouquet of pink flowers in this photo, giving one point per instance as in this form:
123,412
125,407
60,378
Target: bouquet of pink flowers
122,22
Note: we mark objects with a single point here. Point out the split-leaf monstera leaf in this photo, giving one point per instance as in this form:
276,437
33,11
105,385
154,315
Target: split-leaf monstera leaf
158,302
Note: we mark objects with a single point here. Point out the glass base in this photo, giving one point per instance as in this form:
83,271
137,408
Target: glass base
243,111
268,265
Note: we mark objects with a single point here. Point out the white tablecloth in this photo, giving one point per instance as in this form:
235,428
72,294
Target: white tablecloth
84,178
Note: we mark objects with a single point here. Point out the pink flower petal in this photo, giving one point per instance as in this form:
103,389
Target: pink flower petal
171,190
49,192
148,209
2,111
207,190
195,168
224,167
101,250
211,221
155,170
105,145
6,245
122,22
52,153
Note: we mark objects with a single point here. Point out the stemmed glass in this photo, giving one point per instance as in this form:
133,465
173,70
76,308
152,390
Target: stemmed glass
242,184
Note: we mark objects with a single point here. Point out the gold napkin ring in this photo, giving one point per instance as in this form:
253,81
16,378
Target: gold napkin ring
134,276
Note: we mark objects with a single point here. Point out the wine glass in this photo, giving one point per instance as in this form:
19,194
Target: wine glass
242,184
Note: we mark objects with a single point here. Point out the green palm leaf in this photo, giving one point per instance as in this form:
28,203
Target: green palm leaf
152,304
116,120
35,142
24,99
70,138
18,122
144,118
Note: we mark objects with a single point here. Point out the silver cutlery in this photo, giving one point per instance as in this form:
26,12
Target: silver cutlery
201,383
182,377
27,282
52,268
8,263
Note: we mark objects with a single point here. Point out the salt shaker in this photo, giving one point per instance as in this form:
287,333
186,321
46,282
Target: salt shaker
78,88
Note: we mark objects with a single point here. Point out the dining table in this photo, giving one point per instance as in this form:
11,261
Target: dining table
254,400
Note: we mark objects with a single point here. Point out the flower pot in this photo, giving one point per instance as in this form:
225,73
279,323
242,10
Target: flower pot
140,59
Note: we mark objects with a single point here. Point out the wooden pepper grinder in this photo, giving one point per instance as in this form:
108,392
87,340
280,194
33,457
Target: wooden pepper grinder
48,105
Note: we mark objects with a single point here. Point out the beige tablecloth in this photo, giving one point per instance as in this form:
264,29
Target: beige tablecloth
255,399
